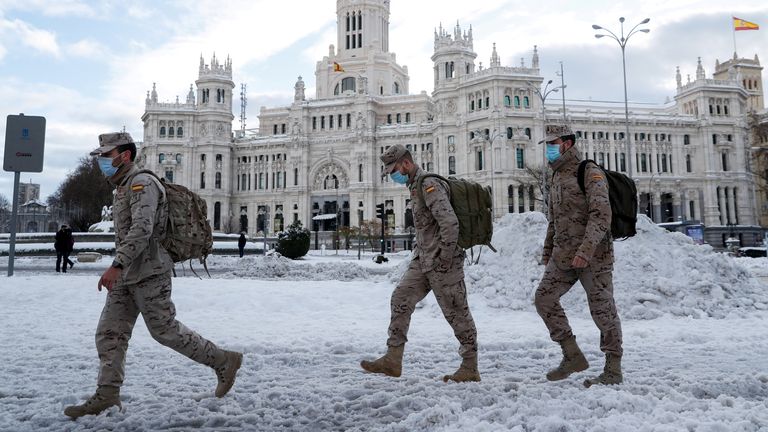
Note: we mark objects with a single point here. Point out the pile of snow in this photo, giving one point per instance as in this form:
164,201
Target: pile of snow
656,272
102,227
278,267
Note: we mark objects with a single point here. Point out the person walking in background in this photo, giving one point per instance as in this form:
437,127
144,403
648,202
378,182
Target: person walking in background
69,243
578,247
437,265
139,282
241,243
58,245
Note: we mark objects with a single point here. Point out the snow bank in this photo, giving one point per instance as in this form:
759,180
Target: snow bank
656,272
278,267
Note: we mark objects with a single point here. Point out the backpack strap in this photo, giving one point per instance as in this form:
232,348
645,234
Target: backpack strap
581,172
420,181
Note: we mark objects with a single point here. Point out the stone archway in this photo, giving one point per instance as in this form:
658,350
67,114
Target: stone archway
329,171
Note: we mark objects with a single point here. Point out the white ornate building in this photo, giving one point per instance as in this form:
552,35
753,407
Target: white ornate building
320,155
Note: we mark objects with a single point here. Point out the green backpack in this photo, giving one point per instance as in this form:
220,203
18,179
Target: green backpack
188,234
473,206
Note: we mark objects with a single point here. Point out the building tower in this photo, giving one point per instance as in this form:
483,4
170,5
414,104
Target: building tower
362,64
453,57
748,73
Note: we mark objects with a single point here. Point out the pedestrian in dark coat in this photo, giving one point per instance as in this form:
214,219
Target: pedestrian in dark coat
241,244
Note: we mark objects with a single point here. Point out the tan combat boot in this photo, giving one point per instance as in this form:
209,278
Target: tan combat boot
467,371
390,364
573,361
611,372
105,397
226,374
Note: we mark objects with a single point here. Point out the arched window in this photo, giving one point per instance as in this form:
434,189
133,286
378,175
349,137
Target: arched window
686,139
397,88
202,180
507,101
360,172
179,132
178,157
510,132
161,158
331,182
472,105
725,109
162,131
348,83
517,101
218,180
451,164
487,102
170,131
295,176
528,132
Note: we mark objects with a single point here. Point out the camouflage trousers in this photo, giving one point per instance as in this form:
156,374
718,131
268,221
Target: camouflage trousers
152,298
599,287
452,298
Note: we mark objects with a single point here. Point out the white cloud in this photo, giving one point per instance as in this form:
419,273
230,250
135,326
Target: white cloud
87,48
52,7
38,39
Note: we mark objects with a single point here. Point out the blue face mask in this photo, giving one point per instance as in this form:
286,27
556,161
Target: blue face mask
553,152
399,178
105,164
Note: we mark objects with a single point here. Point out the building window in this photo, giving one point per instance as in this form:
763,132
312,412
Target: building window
623,162
507,101
526,102
714,138
451,165
472,105
179,132
663,163
202,180
217,184
398,117
162,131
282,128
688,163
330,122
322,122
348,83
170,131
389,118
686,139
397,88
314,123
217,215
692,209
349,121
725,161
407,117
169,176
295,176
510,132
487,102
274,129
520,158
161,158
510,199
517,101
360,172
643,163
479,160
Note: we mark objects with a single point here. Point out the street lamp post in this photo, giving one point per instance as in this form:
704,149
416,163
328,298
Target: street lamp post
543,94
622,41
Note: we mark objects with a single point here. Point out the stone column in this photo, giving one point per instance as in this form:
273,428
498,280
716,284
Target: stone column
731,197
656,207
514,198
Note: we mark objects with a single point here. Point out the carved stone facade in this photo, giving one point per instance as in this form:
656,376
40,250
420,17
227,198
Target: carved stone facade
320,156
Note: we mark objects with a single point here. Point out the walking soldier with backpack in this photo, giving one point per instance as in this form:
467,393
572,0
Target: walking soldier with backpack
578,247
139,281
437,265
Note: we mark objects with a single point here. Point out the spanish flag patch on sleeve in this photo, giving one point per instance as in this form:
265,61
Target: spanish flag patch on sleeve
597,177
137,188
430,189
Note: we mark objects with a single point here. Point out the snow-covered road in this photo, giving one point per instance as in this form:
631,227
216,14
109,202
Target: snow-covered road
303,342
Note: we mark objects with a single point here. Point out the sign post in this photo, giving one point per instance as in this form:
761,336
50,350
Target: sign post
24,149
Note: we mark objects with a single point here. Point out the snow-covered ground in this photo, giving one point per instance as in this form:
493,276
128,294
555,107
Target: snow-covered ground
694,356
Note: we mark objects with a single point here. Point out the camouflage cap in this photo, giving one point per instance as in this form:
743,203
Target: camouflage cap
108,141
391,156
555,131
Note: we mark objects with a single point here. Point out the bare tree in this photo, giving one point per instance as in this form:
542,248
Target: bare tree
5,213
542,175
82,195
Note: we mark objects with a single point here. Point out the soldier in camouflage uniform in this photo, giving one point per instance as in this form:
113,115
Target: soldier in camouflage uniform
579,247
139,281
437,265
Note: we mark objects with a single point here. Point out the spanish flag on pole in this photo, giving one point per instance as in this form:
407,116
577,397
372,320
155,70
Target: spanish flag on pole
337,67
740,24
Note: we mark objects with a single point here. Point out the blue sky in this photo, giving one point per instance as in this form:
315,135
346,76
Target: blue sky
87,65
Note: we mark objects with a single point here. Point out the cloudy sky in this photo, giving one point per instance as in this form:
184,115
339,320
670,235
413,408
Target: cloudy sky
87,65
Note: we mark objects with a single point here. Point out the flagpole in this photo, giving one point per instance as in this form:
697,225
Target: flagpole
733,29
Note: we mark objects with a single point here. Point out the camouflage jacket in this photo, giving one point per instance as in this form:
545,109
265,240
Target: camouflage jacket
140,212
437,228
579,223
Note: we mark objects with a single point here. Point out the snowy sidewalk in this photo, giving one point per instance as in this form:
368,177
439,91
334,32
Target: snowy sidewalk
303,342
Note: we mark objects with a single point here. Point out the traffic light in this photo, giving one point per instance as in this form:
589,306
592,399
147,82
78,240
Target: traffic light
380,211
